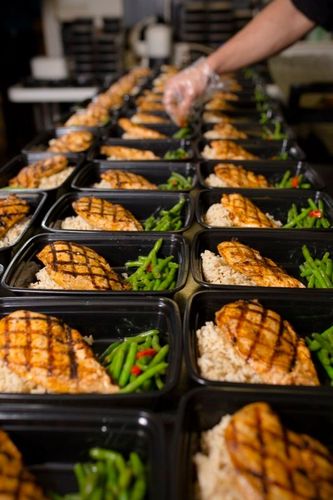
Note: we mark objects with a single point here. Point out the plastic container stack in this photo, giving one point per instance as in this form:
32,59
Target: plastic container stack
122,148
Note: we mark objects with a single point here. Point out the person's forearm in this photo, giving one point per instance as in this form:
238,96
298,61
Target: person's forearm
279,25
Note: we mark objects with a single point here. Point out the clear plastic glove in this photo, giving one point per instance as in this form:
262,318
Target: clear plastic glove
183,89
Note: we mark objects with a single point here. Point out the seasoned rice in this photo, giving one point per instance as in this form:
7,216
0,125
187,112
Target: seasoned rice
45,282
14,233
217,479
77,223
214,181
217,272
102,185
217,359
218,216
55,180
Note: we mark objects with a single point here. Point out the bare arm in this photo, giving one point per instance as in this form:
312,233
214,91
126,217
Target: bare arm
277,26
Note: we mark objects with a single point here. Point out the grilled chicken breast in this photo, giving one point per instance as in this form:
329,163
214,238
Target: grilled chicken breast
125,153
225,131
261,270
133,131
219,104
121,179
237,176
16,482
12,210
226,150
76,267
216,117
44,354
109,100
104,215
150,106
149,96
272,462
148,118
228,96
269,344
73,142
31,175
243,213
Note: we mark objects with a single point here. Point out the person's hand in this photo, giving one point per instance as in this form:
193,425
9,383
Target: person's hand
183,89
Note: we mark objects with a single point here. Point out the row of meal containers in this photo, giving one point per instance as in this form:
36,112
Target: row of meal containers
51,442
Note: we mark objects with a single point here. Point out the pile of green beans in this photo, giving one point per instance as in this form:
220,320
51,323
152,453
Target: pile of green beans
153,273
284,155
177,182
311,216
318,272
182,133
322,345
166,220
276,134
109,477
288,181
137,363
176,154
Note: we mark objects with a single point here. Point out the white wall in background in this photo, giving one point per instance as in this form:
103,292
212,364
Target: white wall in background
70,9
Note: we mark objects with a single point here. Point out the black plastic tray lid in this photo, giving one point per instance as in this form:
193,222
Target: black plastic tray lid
306,315
141,205
275,203
107,320
51,442
157,173
272,170
283,247
117,250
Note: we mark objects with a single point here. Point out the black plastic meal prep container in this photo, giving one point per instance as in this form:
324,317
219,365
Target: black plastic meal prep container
169,130
52,442
264,150
255,131
158,147
141,205
13,167
117,250
277,203
283,247
202,409
155,172
36,202
239,116
272,170
306,314
107,320
37,148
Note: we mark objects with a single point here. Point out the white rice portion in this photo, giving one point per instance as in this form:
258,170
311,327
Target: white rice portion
55,180
77,223
10,382
217,359
45,282
214,181
102,185
218,216
217,272
217,479
14,233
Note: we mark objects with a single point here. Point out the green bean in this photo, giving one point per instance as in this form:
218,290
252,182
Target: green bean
108,351
168,280
136,463
139,489
150,372
117,362
130,360
160,356
297,219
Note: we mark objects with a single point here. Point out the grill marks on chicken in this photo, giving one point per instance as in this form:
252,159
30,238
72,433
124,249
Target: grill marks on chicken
73,142
12,210
226,150
16,482
104,215
261,270
273,462
125,153
225,131
243,213
133,131
267,343
77,267
121,179
237,176
31,175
